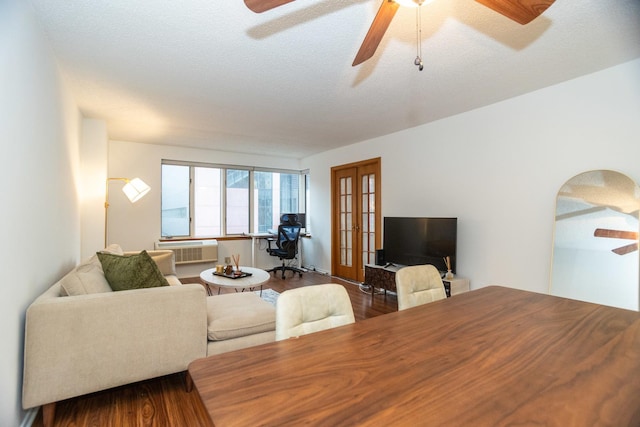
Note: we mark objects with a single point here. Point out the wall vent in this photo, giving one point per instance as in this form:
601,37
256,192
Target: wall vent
192,251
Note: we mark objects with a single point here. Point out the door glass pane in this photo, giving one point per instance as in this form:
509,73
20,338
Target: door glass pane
368,219
346,221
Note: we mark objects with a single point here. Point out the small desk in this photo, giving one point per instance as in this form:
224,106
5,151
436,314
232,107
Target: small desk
497,357
254,239
258,278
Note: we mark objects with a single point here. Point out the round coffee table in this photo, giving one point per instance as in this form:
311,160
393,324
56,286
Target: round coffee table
257,278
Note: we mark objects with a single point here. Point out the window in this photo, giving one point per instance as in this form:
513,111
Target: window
207,202
175,200
275,193
210,201
237,202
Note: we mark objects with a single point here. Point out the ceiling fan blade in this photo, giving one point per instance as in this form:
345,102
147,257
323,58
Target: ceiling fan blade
616,234
259,6
521,11
379,26
625,249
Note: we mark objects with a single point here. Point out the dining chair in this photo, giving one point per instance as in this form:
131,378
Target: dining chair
311,309
417,285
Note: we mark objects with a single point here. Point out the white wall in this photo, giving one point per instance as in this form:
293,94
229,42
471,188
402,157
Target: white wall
39,133
93,170
137,226
583,273
498,170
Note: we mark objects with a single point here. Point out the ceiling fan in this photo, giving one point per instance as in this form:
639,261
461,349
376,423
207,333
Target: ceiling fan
619,234
521,11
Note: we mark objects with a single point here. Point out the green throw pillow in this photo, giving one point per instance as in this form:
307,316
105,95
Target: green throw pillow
124,272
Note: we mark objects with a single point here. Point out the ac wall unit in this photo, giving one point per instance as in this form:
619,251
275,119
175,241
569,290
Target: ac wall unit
192,251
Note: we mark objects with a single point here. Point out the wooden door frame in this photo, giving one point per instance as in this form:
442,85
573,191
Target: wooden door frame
357,239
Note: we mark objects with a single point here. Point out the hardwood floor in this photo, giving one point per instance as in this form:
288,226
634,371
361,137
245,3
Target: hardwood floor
163,402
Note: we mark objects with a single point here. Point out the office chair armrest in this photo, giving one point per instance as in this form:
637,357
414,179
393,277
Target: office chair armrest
269,240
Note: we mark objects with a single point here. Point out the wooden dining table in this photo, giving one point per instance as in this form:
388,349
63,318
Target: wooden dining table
491,357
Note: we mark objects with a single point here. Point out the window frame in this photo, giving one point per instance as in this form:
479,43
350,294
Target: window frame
303,194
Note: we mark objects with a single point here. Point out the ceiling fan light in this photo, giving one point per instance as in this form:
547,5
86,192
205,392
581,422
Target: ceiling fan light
412,3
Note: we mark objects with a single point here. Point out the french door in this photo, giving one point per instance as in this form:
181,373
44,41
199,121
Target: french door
356,218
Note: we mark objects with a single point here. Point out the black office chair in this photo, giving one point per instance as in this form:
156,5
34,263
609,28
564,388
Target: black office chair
287,244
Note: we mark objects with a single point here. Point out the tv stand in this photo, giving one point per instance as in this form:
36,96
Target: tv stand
384,277
381,276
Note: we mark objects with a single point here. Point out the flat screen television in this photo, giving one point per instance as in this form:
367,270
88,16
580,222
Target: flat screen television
414,241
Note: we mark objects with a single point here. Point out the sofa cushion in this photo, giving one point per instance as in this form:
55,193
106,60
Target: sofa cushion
173,280
237,315
166,262
87,278
113,248
125,272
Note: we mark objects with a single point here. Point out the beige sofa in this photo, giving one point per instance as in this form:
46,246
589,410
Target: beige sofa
87,342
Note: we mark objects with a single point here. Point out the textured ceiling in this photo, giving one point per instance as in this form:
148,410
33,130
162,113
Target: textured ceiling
211,73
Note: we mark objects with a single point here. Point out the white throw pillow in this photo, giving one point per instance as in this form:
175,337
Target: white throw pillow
87,278
165,262
114,249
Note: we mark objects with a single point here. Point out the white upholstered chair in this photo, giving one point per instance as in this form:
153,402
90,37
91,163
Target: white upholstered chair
417,285
310,309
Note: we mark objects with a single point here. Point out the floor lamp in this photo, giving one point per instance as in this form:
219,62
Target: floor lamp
135,189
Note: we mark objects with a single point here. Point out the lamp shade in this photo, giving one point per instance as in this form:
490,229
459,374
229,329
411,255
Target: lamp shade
135,189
